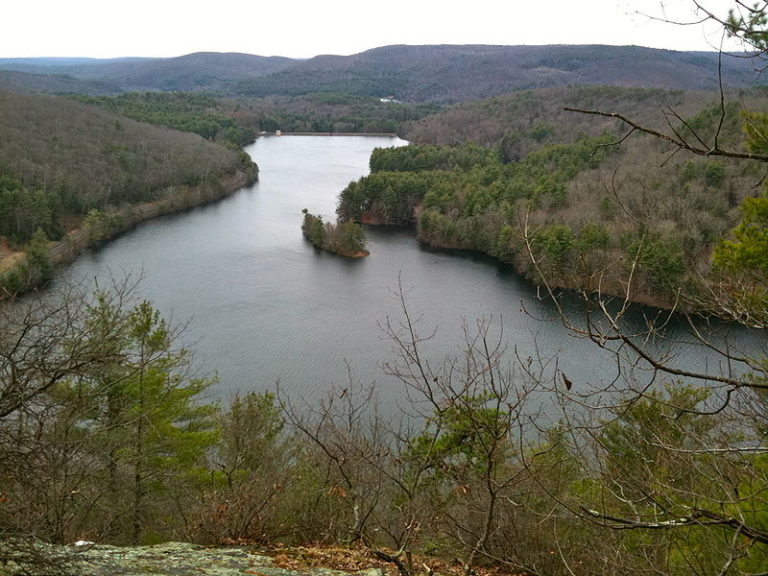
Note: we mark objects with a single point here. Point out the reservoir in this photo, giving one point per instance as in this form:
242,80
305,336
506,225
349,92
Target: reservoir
260,305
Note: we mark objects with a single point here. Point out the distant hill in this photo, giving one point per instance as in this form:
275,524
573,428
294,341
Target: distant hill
463,73
444,73
50,65
199,71
25,82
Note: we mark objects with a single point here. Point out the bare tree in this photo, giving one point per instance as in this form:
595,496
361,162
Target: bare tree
43,343
672,453
448,473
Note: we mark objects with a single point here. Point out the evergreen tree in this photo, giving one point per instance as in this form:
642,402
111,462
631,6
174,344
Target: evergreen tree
152,435
37,256
313,229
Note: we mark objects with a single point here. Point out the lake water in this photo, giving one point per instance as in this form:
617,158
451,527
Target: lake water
261,305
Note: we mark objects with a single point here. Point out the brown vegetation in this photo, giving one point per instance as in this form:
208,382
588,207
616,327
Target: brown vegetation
65,165
587,196
92,158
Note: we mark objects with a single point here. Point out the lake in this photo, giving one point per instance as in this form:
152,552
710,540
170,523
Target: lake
261,305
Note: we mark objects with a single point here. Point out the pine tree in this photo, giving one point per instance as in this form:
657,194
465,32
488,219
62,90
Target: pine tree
146,426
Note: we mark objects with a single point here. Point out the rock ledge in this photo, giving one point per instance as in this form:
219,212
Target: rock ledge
183,559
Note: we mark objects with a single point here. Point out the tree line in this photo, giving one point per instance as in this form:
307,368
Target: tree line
570,207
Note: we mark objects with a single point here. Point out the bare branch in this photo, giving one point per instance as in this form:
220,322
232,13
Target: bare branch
675,140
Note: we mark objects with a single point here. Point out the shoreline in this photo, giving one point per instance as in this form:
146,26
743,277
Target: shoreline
372,134
637,296
117,221
127,218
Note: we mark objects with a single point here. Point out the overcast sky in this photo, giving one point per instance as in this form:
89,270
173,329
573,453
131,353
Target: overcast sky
305,28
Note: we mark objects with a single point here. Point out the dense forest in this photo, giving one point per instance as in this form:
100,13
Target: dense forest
188,112
238,121
333,112
64,161
496,463
551,192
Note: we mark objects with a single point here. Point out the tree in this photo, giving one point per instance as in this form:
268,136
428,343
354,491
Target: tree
348,237
747,22
144,412
37,257
672,458
42,343
250,470
100,431
747,252
313,229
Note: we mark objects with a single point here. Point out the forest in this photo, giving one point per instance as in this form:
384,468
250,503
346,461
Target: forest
555,195
66,165
497,463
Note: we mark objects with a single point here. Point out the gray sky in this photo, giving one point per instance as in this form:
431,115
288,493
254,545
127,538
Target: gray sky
305,28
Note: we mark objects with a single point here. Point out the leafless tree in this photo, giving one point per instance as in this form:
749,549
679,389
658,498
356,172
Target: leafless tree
674,451
448,471
44,341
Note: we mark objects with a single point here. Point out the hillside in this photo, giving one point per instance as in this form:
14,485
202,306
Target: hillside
445,73
62,161
91,157
526,119
199,71
26,82
567,188
463,73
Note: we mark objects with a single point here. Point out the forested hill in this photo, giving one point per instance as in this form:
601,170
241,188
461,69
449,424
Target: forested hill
198,71
517,174
92,157
462,73
62,161
26,82
444,73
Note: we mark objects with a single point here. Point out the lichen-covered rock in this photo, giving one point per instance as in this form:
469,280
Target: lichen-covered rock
183,559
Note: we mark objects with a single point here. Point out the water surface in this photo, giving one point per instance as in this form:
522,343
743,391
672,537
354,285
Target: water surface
261,305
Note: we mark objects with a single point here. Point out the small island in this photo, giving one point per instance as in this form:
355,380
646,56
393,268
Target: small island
346,237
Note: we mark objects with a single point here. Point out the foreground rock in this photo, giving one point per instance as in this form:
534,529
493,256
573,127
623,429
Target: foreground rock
182,559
